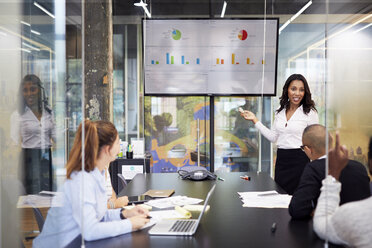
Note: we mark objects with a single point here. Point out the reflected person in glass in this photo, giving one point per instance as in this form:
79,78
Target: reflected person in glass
83,207
296,112
33,126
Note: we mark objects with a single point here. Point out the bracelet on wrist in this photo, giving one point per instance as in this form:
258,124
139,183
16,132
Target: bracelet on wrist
111,204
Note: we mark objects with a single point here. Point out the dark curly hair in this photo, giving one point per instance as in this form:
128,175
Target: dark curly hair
307,103
370,149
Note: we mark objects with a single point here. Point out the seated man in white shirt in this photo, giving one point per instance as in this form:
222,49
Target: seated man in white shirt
349,224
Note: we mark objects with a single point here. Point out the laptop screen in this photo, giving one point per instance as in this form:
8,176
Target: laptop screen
206,202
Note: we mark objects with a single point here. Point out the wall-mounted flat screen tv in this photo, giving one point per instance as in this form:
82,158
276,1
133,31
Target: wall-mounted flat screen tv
210,56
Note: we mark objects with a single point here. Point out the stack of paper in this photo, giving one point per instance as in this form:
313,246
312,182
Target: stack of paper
173,201
44,200
265,199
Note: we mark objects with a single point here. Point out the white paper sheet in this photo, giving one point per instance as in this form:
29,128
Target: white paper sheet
40,201
130,171
265,199
157,216
173,201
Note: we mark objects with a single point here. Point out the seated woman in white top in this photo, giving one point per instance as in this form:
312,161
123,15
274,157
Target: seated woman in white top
83,210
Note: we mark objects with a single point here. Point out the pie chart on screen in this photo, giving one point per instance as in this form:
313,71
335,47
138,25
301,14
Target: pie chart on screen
242,35
176,34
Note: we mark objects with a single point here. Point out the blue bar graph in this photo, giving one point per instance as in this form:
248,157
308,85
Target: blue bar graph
183,59
198,61
167,58
152,62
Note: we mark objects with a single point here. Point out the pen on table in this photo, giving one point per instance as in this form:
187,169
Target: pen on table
220,178
273,227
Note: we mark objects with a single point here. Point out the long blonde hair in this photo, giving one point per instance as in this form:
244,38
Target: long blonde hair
97,134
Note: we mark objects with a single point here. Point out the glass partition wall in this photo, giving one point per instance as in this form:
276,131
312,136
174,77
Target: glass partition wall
41,77
37,95
335,55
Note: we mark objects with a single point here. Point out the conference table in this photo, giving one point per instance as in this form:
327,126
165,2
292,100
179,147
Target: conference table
227,223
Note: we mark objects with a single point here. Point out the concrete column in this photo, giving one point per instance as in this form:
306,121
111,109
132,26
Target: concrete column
98,60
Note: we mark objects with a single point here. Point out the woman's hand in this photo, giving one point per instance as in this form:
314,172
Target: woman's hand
138,221
136,211
248,115
121,202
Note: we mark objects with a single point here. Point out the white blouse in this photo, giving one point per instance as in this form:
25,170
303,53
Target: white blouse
288,134
108,184
32,132
63,224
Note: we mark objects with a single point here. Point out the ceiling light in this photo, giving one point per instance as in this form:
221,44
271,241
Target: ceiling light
25,50
44,10
35,32
29,46
140,4
366,26
143,5
295,16
223,9
25,23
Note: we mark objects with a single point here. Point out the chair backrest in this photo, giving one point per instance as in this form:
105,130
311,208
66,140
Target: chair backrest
122,183
39,218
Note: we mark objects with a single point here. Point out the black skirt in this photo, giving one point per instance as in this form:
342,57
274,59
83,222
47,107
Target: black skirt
290,164
36,171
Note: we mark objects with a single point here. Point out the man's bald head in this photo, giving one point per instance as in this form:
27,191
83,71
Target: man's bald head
314,137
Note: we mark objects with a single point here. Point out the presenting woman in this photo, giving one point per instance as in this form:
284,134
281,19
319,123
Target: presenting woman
33,126
296,112
83,206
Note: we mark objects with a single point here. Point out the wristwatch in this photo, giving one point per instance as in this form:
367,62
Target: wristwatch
121,214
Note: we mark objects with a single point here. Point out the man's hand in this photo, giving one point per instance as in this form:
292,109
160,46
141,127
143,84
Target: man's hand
338,158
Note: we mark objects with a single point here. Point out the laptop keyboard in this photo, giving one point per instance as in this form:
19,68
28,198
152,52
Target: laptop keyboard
182,226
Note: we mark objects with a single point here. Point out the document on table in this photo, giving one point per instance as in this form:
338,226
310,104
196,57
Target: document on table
265,199
45,200
173,201
177,213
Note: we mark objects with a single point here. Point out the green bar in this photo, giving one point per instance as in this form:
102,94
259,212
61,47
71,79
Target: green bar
172,60
157,62
187,62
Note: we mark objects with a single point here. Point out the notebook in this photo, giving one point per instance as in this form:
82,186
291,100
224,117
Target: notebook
180,227
159,192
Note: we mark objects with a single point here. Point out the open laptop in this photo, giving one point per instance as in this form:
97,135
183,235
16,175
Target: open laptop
180,227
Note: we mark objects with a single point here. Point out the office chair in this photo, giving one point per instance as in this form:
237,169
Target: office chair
122,183
39,218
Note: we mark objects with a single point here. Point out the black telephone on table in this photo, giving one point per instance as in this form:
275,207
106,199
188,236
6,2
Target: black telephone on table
196,173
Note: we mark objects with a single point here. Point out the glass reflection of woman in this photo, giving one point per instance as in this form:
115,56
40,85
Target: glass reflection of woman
296,112
33,126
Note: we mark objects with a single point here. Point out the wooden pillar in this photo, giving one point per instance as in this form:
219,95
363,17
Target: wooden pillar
98,60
